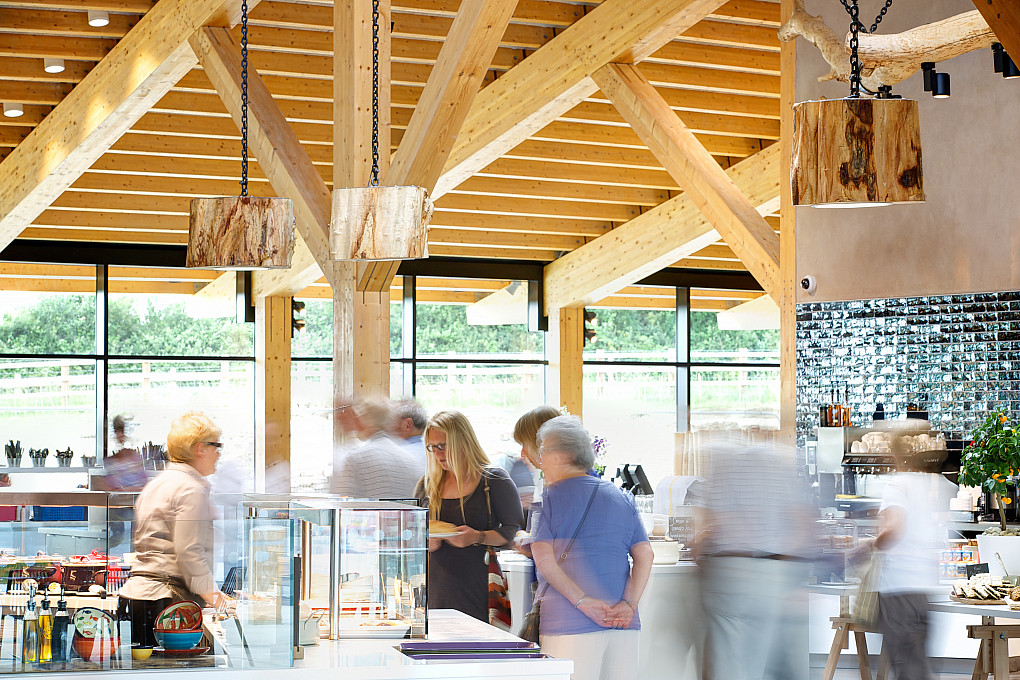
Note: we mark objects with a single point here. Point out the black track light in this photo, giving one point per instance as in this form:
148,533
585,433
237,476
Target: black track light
589,326
1003,63
935,82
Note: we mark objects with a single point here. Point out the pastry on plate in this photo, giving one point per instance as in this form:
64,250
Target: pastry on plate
439,527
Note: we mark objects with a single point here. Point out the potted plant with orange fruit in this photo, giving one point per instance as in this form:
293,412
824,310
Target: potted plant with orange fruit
989,462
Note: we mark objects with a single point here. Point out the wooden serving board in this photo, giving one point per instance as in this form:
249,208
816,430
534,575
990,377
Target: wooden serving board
971,600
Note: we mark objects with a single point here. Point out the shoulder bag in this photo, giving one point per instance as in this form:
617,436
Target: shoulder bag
499,601
530,625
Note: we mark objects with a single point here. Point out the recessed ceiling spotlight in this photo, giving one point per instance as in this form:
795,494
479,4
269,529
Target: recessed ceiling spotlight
53,65
13,109
98,18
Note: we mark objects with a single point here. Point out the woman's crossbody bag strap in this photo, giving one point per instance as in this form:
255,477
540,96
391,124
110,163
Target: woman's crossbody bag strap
591,499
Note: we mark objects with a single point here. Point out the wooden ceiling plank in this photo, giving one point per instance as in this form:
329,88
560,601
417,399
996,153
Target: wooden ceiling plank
280,154
18,68
49,94
129,6
64,24
449,92
117,92
652,241
731,34
556,77
731,213
84,49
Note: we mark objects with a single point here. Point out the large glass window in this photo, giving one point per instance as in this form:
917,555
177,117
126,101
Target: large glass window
49,323
632,335
175,325
634,409
725,398
710,344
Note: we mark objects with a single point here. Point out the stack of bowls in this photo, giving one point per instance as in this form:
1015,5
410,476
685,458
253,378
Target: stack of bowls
94,634
179,626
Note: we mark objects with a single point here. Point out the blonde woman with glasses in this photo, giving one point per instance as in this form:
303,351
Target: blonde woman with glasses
478,501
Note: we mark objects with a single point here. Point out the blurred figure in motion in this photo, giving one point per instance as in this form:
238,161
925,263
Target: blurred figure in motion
908,533
753,526
377,467
582,547
409,421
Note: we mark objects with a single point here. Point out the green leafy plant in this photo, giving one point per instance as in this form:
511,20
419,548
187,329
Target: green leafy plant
991,458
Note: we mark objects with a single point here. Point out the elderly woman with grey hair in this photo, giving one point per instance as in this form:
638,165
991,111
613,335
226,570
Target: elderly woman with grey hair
583,539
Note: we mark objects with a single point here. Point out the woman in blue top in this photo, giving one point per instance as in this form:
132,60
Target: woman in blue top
589,609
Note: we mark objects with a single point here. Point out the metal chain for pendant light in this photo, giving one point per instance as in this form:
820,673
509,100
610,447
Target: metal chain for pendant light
375,93
244,97
857,27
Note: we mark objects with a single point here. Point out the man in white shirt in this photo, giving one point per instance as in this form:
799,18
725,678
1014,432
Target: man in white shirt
378,467
409,421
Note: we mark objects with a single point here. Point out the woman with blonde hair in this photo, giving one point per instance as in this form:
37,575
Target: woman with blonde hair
174,530
478,500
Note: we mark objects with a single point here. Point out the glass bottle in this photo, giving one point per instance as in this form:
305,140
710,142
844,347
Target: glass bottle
61,620
30,634
45,632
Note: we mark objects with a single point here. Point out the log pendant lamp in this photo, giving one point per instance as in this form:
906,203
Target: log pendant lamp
377,222
241,232
857,151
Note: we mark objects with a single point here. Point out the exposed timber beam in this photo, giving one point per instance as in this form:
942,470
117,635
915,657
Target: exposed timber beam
661,236
137,72
689,163
281,157
449,92
437,119
555,78
1003,16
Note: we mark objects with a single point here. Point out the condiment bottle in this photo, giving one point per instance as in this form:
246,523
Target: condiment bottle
61,620
45,632
30,634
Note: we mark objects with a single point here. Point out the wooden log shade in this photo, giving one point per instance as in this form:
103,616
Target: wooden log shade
856,152
241,232
379,223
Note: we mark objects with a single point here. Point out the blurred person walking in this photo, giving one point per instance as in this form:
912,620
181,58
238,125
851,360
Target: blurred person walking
753,526
377,467
584,540
908,534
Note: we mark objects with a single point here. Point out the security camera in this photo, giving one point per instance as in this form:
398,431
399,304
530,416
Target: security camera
809,284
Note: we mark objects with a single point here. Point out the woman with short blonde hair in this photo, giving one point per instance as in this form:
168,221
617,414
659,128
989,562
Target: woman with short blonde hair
189,429
481,504
173,531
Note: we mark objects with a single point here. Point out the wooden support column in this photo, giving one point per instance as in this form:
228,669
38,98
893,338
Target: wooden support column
272,394
361,320
565,372
787,242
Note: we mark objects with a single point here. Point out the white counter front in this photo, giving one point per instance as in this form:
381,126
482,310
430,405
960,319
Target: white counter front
380,660
670,610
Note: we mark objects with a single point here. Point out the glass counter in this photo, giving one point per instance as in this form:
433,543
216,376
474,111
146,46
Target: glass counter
363,567
254,560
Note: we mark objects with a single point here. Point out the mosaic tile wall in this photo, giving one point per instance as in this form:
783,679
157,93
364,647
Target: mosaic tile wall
956,355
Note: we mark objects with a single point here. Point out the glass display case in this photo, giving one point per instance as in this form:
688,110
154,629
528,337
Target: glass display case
363,566
59,603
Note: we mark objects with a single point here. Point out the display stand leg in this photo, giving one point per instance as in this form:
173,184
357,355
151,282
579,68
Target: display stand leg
839,643
863,662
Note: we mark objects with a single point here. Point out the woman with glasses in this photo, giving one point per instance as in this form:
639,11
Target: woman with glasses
173,530
462,489
593,554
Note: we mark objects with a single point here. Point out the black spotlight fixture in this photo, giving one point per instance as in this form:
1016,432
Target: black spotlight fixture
935,82
1004,64
297,320
589,327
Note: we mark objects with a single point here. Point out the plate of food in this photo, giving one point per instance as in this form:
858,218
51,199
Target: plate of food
440,529
374,628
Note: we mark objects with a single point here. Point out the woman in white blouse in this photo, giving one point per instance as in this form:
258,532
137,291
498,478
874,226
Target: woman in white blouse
173,530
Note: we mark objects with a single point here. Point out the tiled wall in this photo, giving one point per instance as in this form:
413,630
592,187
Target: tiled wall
957,355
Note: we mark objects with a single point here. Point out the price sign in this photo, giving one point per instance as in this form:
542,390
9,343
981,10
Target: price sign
977,569
681,529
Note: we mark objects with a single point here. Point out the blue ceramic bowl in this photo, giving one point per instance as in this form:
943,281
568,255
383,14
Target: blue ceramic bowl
178,639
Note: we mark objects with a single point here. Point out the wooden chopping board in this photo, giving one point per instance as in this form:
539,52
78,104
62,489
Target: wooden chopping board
971,600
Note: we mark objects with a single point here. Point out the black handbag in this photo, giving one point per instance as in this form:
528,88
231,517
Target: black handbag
531,623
